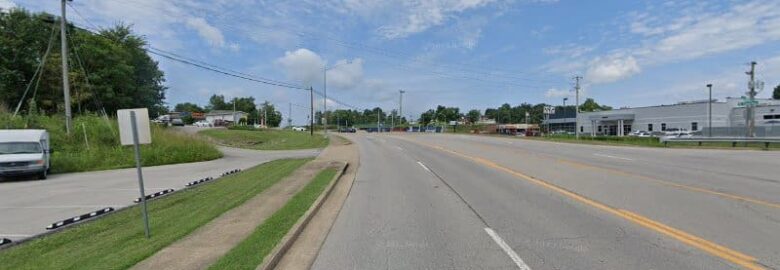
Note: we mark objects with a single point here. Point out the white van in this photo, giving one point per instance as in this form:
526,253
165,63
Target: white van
24,152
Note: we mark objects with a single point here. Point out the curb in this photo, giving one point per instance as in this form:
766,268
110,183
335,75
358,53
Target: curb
272,259
81,222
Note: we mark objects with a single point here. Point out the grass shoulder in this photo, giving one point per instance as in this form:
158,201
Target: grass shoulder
251,251
117,241
266,139
94,144
648,142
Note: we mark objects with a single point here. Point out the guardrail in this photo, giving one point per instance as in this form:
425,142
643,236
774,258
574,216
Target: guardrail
733,140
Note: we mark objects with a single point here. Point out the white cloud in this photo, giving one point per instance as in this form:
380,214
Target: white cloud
611,68
674,33
570,50
419,16
556,93
346,74
206,31
302,65
6,4
306,66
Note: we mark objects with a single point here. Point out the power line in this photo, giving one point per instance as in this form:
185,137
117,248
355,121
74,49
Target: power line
397,55
201,64
211,67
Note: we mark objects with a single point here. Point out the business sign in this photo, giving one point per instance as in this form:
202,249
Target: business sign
549,110
126,128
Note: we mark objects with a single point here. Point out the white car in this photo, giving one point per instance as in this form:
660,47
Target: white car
299,129
202,123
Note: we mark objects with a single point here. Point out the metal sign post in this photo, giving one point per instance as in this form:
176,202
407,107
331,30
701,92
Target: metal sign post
137,136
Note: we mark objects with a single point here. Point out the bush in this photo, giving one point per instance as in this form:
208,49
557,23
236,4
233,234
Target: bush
101,149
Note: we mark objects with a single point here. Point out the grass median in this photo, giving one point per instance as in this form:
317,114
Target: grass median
266,139
117,241
250,252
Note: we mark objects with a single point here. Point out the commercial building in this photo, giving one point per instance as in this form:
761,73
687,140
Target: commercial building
216,116
728,119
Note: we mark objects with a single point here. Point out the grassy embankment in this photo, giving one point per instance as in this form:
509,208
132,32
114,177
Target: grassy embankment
250,252
266,139
117,241
101,149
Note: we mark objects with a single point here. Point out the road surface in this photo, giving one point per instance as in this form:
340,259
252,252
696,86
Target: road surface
27,207
435,201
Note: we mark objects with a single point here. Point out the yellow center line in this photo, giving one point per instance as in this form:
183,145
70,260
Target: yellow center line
676,185
659,181
730,255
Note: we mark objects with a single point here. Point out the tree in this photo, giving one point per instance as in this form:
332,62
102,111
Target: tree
274,116
110,70
776,92
187,107
473,116
590,105
217,102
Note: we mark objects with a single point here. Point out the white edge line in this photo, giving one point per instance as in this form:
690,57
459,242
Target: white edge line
15,235
515,258
423,165
608,156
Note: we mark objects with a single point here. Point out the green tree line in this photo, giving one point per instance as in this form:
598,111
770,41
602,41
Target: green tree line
109,70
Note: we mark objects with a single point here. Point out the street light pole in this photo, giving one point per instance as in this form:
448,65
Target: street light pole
709,111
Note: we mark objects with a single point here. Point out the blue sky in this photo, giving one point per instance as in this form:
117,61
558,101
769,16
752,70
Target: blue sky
465,53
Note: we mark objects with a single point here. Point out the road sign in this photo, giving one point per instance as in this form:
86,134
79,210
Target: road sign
549,110
126,129
134,130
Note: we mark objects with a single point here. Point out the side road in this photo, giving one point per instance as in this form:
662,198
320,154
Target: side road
209,243
27,207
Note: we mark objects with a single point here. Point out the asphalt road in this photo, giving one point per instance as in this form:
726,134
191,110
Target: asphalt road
436,201
27,207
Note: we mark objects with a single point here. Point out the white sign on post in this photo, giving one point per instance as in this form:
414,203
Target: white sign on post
549,110
126,128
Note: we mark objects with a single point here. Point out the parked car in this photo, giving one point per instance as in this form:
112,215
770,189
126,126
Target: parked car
347,130
177,122
299,129
202,123
25,152
641,133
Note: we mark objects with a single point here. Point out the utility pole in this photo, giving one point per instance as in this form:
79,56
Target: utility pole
709,112
235,121
265,117
289,115
311,117
577,107
65,83
401,105
377,121
749,111
325,99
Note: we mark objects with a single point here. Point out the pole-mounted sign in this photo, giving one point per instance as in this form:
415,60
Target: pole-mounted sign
134,130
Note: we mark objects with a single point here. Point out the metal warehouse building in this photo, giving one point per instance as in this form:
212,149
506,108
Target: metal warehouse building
728,119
